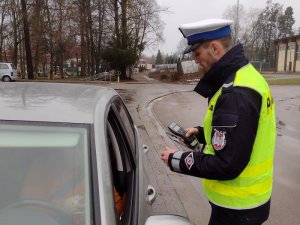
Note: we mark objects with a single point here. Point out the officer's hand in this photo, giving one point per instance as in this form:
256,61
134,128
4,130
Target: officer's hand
165,154
191,131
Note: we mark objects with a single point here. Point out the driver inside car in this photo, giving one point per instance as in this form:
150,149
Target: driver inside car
57,177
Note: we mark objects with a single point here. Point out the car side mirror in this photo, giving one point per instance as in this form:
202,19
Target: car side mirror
167,220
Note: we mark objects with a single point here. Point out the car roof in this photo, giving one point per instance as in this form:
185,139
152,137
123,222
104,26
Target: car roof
52,102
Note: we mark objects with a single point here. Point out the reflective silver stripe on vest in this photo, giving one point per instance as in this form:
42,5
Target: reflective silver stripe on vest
176,160
228,85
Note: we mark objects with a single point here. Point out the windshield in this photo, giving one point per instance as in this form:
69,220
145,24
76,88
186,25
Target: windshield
44,175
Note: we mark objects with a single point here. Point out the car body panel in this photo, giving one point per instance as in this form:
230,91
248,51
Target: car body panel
167,220
144,209
51,102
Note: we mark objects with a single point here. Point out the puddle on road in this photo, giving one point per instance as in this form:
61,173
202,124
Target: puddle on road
142,127
280,124
127,95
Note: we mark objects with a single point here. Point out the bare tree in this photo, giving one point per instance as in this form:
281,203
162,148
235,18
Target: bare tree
3,25
27,40
260,27
37,30
136,24
268,26
251,36
15,21
60,30
146,23
237,14
99,31
181,46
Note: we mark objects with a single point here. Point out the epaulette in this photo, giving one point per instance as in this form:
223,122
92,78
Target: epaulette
228,85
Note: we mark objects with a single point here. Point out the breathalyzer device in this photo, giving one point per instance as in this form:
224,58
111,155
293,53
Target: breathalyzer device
191,141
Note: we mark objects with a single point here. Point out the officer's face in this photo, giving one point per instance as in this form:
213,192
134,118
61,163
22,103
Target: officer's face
206,55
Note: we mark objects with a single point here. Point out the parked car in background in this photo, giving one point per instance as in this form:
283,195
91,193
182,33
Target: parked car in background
8,72
70,155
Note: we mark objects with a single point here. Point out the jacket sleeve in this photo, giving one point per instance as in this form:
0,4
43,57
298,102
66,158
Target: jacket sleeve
234,127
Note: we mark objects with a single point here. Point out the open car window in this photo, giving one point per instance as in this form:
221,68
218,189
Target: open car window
122,167
44,175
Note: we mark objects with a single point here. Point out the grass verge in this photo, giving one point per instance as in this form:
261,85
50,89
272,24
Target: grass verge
292,81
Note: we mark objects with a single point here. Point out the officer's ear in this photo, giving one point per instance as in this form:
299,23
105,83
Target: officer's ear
217,50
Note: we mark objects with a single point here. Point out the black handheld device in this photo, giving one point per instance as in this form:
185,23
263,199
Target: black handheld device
191,141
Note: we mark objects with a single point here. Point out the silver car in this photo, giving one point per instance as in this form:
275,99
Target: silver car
70,155
8,72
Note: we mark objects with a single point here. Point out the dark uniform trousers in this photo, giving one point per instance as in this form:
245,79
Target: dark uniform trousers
225,216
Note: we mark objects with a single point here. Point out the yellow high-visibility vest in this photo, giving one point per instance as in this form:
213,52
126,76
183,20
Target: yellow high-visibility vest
253,186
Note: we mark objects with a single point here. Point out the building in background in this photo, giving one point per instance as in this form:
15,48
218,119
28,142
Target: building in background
189,66
288,54
166,67
145,63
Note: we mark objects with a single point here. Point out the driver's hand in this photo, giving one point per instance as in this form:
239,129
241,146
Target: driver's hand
191,131
75,204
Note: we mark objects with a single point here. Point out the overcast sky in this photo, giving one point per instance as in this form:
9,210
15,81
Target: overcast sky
186,11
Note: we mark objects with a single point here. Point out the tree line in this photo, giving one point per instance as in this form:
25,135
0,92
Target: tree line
257,29
94,32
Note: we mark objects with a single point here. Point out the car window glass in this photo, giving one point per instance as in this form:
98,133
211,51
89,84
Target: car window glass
44,169
121,170
13,66
127,122
3,66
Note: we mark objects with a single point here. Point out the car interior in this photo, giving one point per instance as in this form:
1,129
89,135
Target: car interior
46,181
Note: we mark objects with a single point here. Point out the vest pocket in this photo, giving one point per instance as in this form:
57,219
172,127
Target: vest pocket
225,120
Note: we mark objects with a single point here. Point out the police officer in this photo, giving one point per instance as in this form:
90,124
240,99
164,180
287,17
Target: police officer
239,129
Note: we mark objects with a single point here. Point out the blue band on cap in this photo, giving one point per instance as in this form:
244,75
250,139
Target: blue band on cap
209,35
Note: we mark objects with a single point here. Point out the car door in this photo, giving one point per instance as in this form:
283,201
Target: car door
124,191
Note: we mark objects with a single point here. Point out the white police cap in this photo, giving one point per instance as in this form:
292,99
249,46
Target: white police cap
204,30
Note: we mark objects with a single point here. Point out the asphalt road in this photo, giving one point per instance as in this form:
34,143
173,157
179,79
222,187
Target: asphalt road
154,105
